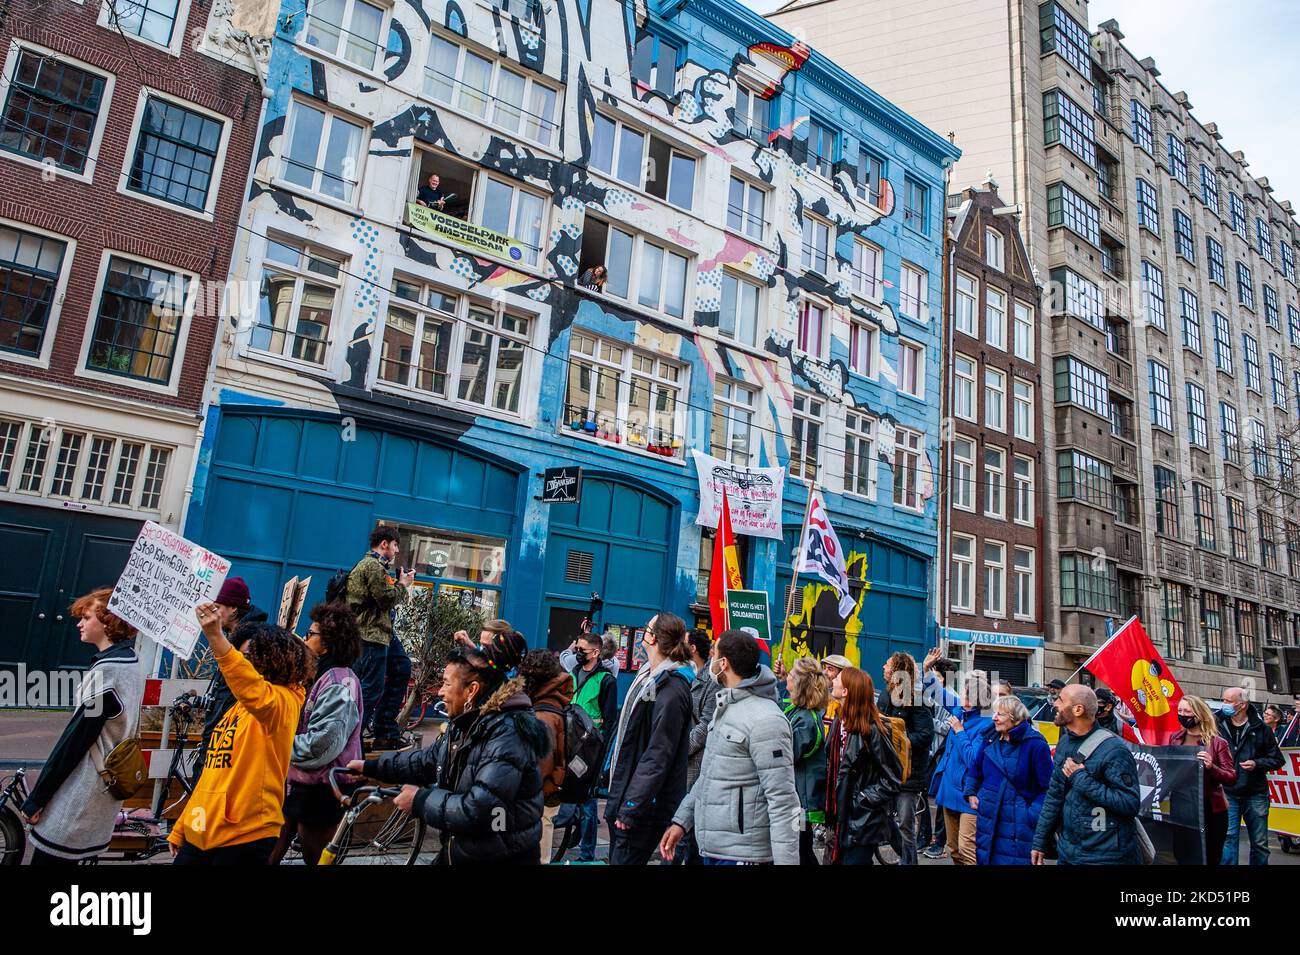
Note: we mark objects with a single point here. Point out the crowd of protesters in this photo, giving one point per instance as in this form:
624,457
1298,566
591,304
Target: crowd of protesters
711,759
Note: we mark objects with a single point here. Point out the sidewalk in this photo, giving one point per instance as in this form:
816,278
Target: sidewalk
27,736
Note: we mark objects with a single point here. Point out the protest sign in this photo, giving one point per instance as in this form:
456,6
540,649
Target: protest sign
754,495
166,577
747,610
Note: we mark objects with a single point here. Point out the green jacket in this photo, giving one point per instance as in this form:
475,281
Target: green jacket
372,595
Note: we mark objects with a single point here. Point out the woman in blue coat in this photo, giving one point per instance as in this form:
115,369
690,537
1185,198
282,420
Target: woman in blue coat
948,784
1005,785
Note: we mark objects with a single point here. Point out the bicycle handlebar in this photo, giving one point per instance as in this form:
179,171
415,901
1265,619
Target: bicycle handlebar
384,792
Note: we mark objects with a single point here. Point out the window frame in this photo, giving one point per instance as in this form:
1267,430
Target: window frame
208,211
57,293
908,446
994,568
331,115
348,13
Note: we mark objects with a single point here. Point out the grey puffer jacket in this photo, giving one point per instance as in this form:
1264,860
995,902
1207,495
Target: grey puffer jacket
744,806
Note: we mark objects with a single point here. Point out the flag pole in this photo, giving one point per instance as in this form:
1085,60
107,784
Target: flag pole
794,566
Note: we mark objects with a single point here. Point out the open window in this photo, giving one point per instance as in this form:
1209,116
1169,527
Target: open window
455,185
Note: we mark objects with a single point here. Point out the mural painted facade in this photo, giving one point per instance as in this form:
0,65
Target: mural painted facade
417,351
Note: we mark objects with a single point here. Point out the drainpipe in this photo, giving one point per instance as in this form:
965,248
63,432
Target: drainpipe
945,396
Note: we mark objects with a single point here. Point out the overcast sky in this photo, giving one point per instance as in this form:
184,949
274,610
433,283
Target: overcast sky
1237,62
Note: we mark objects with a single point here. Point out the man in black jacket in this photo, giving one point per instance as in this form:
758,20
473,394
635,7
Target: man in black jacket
647,773
1255,751
901,698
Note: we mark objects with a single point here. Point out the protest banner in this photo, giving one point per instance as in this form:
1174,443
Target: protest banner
299,598
754,495
748,610
286,601
1284,795
1172,802
165,578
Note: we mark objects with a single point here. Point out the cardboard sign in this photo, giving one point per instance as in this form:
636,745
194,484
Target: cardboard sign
286,601
165,578
299,598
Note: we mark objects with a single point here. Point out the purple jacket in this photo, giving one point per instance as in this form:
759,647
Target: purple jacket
329,730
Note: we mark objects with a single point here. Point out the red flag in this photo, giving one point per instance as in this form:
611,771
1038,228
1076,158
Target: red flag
1130,665
725,574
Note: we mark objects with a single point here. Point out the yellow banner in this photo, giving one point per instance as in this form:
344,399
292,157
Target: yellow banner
1284,794
467,235
1051,732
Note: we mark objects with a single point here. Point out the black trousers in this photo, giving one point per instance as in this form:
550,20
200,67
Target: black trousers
257,852
633,846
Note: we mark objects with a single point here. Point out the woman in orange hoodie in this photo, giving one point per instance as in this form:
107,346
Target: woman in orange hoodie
235,814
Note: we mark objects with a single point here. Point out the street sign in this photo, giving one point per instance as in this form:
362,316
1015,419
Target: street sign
748,610
561,485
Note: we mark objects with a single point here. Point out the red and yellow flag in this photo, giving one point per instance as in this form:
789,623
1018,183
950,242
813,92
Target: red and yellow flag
725,574
1131,666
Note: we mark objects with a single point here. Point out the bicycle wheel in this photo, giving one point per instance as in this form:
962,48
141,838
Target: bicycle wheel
13,838
383,835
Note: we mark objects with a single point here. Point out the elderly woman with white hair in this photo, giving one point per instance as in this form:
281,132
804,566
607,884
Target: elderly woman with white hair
1008,777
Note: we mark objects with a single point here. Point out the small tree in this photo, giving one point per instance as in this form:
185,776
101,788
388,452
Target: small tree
426,624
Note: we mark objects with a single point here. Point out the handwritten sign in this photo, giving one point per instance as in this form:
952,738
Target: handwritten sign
754,496
165,578
299,598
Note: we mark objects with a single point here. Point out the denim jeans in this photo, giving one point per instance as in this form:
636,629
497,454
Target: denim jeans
383,673
587,826
1253,810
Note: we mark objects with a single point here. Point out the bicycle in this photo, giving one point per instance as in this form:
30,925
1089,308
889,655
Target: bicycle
13,835
398,840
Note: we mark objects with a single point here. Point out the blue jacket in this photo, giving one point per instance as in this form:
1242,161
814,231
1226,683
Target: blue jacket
1093,810
1010,777
948,785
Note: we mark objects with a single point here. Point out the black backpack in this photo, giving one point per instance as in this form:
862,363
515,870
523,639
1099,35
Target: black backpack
584,750
336,591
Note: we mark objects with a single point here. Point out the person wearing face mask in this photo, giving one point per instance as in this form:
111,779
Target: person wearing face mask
1255,753
1200,730
948,784
1046,711
595,689
1108,717
743,807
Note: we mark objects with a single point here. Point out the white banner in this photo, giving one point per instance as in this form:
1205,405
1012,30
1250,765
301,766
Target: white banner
753,495
823,556
165,578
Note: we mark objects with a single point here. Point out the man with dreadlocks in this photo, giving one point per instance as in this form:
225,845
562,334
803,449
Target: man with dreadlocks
479,784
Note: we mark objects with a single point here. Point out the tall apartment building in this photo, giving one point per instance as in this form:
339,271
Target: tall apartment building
126,135
422,364
1171,270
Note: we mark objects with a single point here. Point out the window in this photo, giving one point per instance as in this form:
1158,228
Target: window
916,206
656,275
871,182
481,87
1222,343
1148,206
963,474
1065,122
1100,94
618,394
1191,313
1293,547
1080,297
527,12
1285,458
1268,540
995,483
1288,260
30,266
1237,214
911,369
914,294
995,318
346,28
1161,407
643,161
863,342
747,208
1023,332
868,269
299,289
1203,504
1209,189
416,349
1175,613
1061,34
1177,159
139,321
1270,307
1153,294
1023,568
322,152
812,326
515,212
1250,359
1293,324
1237,528
1166,502
1107,175
1022,490
1259,448
1142,134
738,313
859,455
1090,583
1022,416
175,154
1065,207
1184,244
1082,385
966,304
1263,239
1214,256
1277,379
907,468
51,110
751,115
1082,477
654,64
995,399
1212,624
733,422
1228,428
805,436
993,249
1121,418
1247,639
963,391
492,357
821,148
816,242
1198,424
963,573
995,578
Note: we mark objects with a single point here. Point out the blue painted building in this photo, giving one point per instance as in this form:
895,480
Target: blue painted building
418,351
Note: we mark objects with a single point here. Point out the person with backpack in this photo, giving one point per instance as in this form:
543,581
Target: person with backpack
809,693
743,807
1092,802
595,689
902,698
70,808
551,690
647,774
863,771
383,668
1005,785
948,783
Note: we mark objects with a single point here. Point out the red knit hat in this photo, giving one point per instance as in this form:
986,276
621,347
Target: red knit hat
234,593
